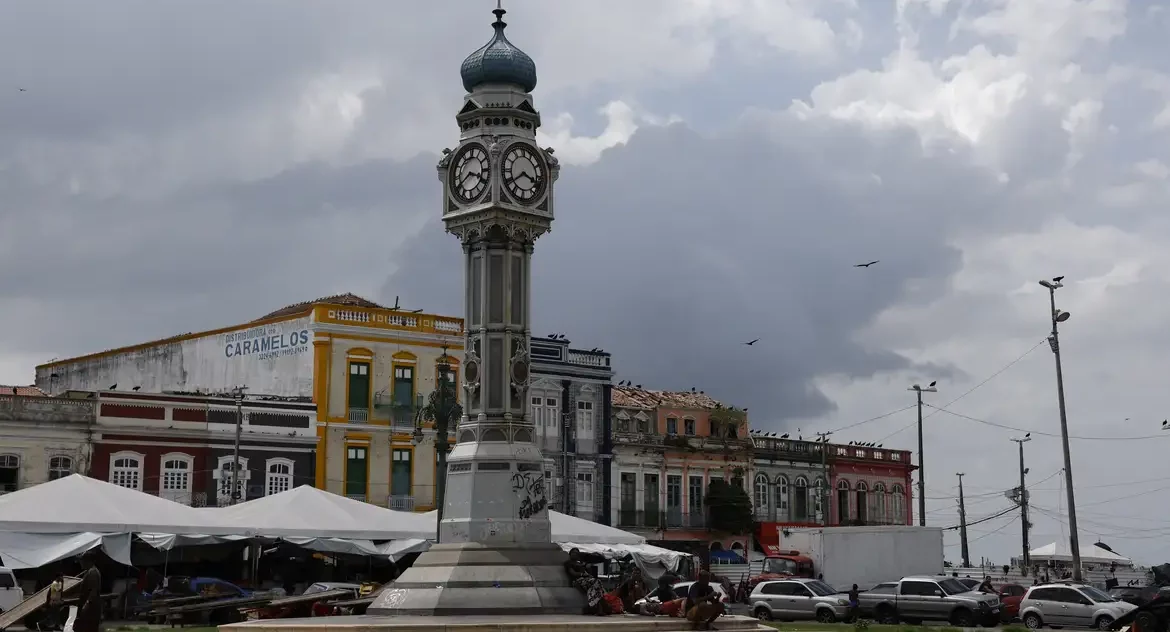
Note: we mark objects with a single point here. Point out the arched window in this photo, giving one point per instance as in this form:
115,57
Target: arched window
862,507
781,503
175,482
126,470
761,496
60,467
223,480
800,499
9,473
898,504
843,501
278,476
880,513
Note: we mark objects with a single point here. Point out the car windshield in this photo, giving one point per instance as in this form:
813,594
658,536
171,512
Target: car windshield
1097,595
820,588
953,586
779,566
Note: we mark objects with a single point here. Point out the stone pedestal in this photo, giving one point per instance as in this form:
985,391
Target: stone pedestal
471,578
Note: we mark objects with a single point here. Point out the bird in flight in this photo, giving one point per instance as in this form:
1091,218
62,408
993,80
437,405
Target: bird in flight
865,265
22,89
750,343
1058,279
933,383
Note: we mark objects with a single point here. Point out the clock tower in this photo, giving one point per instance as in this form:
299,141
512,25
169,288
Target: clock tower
494,553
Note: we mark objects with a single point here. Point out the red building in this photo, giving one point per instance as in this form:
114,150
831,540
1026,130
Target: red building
183,447
870,486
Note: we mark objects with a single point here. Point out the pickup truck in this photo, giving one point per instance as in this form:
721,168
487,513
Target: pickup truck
916,599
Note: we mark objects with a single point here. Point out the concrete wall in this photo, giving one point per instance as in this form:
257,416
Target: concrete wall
275,358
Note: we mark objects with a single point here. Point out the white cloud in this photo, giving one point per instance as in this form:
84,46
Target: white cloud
621,121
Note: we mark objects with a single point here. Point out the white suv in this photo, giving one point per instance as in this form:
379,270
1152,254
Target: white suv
1070,605
10,591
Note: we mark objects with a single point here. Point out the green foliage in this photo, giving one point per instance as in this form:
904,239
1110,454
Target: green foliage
1015,628
861,625
729,509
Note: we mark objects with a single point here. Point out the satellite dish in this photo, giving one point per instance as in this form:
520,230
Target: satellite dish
1062,316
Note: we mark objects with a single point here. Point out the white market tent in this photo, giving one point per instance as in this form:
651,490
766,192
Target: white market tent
1062,552
308,512
66,517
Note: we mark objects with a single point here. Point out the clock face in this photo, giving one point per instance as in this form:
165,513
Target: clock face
523,173
469,173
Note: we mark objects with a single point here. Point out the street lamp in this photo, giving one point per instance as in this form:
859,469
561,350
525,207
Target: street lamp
238,395
1059,316
444,411
929,388
1026,560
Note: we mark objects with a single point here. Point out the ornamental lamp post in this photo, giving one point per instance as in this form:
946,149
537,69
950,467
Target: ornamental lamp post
444,411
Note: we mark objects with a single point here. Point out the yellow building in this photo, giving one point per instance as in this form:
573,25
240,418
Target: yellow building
373,371
368,368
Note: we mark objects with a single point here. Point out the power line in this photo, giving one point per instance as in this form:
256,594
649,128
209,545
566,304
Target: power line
997,530
1044,434
970,390
865,421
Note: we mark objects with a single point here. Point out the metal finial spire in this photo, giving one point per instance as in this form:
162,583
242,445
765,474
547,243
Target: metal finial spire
499,11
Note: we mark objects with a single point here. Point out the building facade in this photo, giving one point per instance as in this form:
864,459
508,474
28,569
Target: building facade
667,448
365,368
870,485
183,447
569,404
790,482
45,438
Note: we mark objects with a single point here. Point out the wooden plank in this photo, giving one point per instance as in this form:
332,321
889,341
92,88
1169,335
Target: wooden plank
35,602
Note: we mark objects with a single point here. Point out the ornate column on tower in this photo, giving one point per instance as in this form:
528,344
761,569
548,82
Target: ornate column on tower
495,554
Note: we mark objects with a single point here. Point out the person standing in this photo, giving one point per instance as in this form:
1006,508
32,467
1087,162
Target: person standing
89,609
854,604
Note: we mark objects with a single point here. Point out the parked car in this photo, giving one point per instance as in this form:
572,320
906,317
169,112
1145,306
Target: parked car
1152,616
797,598
1139,595
1010,595
11,593
916,599
1071,605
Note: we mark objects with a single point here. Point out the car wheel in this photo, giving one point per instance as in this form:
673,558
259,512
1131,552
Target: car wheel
1032,621
824,615
1103,622
885,615
763,614
963,618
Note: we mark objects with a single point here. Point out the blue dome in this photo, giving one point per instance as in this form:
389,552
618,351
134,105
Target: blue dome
498,61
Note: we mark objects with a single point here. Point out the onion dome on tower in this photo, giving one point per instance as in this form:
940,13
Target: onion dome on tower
498,61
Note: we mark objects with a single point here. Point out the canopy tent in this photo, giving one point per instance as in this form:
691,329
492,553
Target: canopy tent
566,528
32,550
308,512
78,504
1062,552
644,553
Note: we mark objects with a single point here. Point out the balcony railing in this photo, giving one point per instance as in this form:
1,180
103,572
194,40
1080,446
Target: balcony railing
359,415
402,503
669,519
360,497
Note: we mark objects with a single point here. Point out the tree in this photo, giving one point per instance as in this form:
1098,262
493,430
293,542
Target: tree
729,509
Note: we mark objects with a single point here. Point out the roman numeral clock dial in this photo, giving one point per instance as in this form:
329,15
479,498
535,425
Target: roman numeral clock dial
469,173
524,173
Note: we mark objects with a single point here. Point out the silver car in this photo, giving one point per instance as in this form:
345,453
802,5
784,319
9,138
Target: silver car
1070,605
795,599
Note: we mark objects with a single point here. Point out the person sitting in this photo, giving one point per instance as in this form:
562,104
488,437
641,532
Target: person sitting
664,600
631,590
589,585
703,605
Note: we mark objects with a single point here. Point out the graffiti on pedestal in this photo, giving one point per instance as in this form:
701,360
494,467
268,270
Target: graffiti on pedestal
529,485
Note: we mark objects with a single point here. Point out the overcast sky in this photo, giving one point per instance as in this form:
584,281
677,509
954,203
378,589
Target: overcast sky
168,167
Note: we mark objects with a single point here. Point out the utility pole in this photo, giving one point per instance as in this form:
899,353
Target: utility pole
238,395
963,524
1058,316
1026,559
823,439
921,464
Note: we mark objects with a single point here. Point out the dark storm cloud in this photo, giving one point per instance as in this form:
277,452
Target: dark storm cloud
675,249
